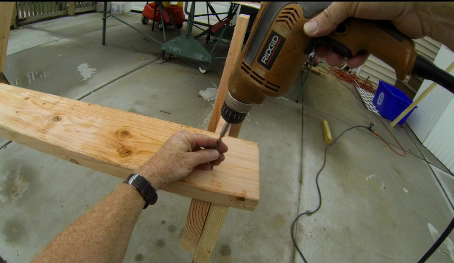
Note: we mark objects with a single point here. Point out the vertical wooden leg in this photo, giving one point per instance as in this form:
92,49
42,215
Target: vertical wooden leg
210,234
235,130
204,220
6,12
198,212
72,8
14,17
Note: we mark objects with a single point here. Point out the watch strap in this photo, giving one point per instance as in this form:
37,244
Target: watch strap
144,187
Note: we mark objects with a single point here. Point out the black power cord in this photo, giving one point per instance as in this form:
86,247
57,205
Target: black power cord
292,231
423,259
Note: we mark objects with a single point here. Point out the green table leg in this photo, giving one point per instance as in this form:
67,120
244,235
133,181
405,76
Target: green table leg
104,24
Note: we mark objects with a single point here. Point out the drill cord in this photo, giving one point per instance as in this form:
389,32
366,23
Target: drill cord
292,228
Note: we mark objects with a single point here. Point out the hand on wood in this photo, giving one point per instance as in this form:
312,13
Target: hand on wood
182,153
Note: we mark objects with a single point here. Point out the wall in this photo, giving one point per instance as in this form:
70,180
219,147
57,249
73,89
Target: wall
376,69
430,109
433,120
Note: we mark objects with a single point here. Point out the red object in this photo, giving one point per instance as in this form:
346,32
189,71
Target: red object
175,11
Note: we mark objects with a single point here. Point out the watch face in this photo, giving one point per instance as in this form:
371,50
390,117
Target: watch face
132,178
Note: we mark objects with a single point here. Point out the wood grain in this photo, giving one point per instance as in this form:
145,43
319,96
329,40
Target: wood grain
118,142
195,221
198,209
210,234
6,12
419,99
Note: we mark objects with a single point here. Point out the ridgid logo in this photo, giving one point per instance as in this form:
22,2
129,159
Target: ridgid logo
271,50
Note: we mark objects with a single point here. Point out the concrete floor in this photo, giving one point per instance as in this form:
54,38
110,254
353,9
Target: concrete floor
377,206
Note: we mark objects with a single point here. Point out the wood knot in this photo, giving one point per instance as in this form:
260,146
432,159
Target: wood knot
123,134
56,118
240,198
126,152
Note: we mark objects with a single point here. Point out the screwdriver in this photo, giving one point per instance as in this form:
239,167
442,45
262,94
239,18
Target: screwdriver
218,143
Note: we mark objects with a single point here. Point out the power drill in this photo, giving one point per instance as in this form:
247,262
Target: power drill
278,47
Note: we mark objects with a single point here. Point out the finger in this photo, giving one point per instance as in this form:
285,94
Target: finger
195,149
322,51
334,59
358,60
201,140
203,166
202,156
220,159
329,19
207,166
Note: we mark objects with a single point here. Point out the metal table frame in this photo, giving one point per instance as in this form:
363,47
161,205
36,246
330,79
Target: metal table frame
185,45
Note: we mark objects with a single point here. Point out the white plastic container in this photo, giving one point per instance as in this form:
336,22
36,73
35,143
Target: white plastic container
117,8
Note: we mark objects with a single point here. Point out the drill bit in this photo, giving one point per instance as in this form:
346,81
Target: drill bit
221,135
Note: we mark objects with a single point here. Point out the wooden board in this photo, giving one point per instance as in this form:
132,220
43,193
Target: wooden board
6,12
118,142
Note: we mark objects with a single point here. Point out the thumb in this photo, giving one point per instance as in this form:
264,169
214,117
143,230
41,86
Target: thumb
203,156
325,22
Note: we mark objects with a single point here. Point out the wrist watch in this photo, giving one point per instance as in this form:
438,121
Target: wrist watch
144,187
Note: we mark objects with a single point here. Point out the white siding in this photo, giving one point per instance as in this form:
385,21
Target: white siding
440,141
431,108
377,70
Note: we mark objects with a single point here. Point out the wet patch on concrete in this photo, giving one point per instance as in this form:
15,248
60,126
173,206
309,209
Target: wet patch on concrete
225,250
139,257
15,182
13,231
172,228
161,243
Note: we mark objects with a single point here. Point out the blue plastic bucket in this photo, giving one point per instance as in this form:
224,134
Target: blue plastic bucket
390,102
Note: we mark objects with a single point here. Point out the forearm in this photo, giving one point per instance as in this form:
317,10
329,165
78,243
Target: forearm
438,22
101,235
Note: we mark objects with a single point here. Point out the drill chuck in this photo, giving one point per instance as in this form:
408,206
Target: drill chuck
234,111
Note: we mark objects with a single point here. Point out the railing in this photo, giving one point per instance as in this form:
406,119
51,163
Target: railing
29,12
85,6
